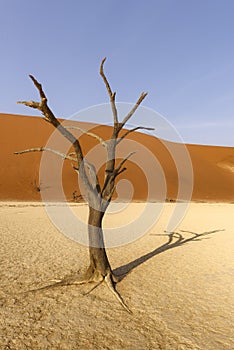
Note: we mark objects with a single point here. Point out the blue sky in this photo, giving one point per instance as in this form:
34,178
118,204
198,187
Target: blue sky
180,51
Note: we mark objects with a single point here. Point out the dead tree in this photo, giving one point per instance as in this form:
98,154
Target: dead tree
98,195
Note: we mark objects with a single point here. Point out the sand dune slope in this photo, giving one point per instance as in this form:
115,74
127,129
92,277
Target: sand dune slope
19,175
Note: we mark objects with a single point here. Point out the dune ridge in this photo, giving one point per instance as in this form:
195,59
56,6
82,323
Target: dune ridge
19,175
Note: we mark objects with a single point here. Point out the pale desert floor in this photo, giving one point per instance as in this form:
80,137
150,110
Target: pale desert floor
180,294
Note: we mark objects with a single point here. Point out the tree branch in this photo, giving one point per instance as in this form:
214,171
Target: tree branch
110,171
31,104
122,162
111,175
97,137
39,88
109,196
50,117
133,110
111,94
42,149
132,130
121,171
93,176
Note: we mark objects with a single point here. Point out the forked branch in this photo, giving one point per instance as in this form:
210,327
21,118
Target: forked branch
42,149
93,178
133,110
110,171
117,125
111,94
132,130
39,88
118,168
50,117
111,176
97,137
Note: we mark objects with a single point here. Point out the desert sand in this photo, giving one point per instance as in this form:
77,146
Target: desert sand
180,294
178,285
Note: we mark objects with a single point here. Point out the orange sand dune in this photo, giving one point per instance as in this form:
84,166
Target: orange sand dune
19,174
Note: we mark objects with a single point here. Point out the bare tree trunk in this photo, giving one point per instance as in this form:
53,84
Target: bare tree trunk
99,264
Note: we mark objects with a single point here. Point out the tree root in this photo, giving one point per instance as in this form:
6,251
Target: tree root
109,279
66,281
111,285
59,283
94,287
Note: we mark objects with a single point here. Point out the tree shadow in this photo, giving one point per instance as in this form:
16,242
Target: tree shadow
175,240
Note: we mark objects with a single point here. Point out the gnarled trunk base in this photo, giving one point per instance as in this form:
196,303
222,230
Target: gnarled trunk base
99,269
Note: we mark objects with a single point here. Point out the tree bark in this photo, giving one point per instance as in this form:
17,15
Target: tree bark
99,264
